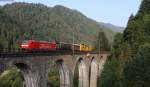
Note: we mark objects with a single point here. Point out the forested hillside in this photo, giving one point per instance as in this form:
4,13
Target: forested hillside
129,63
9,31
39,22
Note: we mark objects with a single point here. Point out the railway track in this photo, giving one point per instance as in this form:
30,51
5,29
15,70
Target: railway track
49,53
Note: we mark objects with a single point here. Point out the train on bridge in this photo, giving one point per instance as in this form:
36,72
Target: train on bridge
33,45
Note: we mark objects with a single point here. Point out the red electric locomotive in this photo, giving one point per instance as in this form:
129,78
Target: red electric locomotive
32,45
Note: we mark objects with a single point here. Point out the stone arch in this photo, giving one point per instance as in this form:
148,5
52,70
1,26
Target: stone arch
64,73
30,78
93,72
83,73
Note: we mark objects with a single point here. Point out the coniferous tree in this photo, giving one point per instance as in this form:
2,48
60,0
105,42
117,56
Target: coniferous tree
136,72
145,6
133,57
102,42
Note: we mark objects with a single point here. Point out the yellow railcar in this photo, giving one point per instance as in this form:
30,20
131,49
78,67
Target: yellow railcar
85,47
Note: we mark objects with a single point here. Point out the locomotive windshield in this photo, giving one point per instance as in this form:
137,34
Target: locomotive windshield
24,42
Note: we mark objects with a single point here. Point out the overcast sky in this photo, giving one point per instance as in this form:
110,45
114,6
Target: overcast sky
116,12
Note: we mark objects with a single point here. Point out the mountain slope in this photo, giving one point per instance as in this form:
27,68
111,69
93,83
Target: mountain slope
46,23
113,27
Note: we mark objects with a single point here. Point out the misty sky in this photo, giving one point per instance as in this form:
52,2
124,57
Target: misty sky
108,11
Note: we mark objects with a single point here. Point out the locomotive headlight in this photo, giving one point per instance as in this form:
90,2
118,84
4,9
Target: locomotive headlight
24,45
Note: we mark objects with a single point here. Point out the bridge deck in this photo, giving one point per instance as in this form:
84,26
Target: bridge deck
50,53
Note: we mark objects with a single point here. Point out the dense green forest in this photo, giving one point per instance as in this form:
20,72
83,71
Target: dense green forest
23,21
9,31
129,63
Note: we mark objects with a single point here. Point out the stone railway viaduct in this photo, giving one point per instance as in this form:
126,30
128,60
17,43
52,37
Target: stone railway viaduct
35,69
